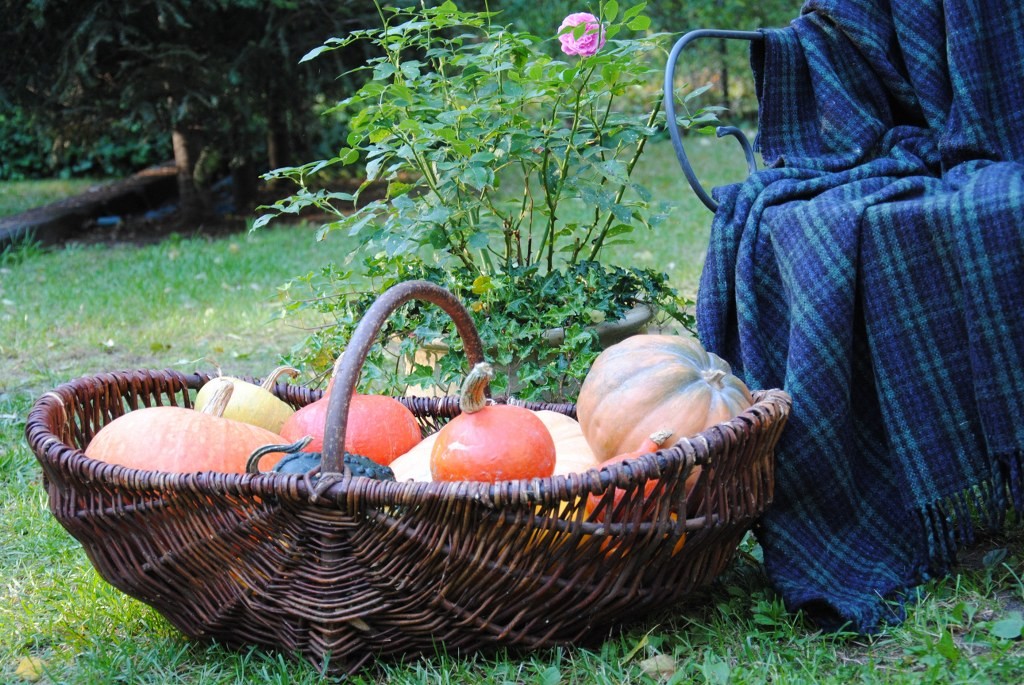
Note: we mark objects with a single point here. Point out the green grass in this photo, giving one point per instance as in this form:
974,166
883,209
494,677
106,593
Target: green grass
199,304
183,303
17,196
680,243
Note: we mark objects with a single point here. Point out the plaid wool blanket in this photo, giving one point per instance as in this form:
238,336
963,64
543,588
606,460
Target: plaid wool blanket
875,270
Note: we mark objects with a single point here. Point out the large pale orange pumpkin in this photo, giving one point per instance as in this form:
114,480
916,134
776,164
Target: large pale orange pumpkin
182,440
648,383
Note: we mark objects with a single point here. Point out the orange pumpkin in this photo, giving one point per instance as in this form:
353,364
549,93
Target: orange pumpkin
181,440
572,454
652,443
612,512
491,442
379,427
652,382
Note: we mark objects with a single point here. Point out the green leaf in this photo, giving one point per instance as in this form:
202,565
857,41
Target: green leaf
610,10
396,188
322,164
614,170
610,72
383,71
716,671
640,23
478,241
478,177
947,647
619,229
379,135
348,155
696,92
411,69
1010,628
314,52
551,676
438,239
482,284
633,11
438,214
641,644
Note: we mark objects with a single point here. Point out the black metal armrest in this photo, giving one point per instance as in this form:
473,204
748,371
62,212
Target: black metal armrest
721,131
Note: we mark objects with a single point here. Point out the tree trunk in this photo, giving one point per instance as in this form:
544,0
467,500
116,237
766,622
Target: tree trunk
244,183
278,144
189,202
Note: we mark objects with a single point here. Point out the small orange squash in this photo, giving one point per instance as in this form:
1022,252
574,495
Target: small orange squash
491,442
652,382
652,443
572,453
181,440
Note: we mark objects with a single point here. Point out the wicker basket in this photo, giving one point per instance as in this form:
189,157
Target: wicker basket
355,569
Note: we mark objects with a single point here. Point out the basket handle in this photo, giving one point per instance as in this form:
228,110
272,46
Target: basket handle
332,466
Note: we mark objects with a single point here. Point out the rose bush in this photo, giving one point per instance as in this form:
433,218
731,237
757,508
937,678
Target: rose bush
507,169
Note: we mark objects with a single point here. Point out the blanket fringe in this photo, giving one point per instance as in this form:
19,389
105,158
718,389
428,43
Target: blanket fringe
951,523
1012,468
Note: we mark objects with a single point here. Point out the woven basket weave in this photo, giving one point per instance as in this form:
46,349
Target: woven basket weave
356,569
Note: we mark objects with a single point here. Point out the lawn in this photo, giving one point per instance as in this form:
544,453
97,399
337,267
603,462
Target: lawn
17,196
208,304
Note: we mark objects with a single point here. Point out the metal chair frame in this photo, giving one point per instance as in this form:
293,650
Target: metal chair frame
720,131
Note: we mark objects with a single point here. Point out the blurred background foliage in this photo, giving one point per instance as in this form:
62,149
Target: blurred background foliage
105,89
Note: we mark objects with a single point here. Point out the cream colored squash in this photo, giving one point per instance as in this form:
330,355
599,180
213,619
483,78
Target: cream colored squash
251,403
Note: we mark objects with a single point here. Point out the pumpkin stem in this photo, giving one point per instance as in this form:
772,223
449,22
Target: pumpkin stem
473,396
713,377
269,381
660,437
220,397
252,464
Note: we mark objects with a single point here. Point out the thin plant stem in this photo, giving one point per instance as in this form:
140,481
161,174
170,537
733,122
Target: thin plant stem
599,240
548,240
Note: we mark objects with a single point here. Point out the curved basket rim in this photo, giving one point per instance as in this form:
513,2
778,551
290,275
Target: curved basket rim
48,446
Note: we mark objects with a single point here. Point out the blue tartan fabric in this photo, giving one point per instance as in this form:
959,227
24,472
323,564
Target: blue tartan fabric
875,270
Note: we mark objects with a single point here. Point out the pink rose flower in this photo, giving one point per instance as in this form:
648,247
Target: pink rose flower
591,40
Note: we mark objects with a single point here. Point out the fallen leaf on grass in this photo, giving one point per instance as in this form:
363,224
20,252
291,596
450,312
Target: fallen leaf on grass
660,666
30,668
